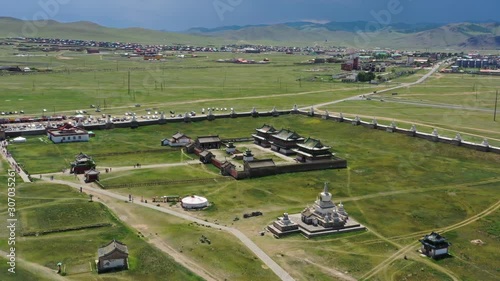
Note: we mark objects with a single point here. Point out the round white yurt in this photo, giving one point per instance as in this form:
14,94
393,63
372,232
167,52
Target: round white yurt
194,202
19,140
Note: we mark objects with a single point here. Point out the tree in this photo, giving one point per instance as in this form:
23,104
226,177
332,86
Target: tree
366,76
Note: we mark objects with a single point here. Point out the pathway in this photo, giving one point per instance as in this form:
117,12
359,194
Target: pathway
360,97
37,269
12,162
280,272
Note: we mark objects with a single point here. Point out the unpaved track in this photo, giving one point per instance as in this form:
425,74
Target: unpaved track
37,269
280,272
407,249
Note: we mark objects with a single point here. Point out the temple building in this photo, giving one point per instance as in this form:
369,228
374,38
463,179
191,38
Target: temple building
285,141
208,142
434,246
111,257
322,218
263,135
230,148
324,212
82,164
283,226
92,176
248,156
312,150
179,139
68,133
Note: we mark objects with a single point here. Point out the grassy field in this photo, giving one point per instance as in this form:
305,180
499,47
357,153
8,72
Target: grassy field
452,103
103,80
44,157
418,175
399,187
60,207
191,172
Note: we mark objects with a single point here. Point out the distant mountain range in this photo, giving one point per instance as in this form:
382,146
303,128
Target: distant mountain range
360,34
367,34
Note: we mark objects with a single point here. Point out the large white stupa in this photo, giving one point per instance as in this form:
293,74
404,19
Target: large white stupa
324,212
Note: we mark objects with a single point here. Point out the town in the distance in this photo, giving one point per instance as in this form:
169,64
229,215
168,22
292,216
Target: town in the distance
250,152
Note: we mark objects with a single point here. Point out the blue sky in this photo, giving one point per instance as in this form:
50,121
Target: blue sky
177,15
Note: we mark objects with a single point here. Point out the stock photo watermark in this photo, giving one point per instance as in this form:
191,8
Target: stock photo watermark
11,220
381,19
48,9
222,7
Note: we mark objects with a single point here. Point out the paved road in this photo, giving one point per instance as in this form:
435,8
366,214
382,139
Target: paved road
437,105
280,272
357,97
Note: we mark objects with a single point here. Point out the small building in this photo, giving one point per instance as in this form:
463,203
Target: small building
434,245
206,157
230,148
228,169
208,142
285,141
82,164
263,135
2,134
248,156
179,139
283,226
93,51
312,150
68,133
113,256
92,175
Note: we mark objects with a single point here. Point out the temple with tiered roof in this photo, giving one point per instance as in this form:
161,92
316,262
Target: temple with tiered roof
322,218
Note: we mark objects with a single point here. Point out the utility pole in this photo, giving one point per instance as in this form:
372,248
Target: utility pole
496,104
129,82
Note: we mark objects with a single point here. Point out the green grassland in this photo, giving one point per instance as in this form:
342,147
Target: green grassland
466,105
182,173
399,187
199,82
389,176
20,273
44,157
48,207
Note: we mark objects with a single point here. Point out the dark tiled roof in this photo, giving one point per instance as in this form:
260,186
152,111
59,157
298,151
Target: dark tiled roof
266,129
205,153
287,135
107,249
178,136
313,144
208,139
434,240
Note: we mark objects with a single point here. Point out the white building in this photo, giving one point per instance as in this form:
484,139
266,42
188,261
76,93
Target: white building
179,139
68,133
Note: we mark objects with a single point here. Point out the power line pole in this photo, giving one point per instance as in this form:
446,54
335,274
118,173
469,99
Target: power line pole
129,82
496,104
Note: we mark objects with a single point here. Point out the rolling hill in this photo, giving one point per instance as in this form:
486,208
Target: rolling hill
11,27
400,35
350,34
